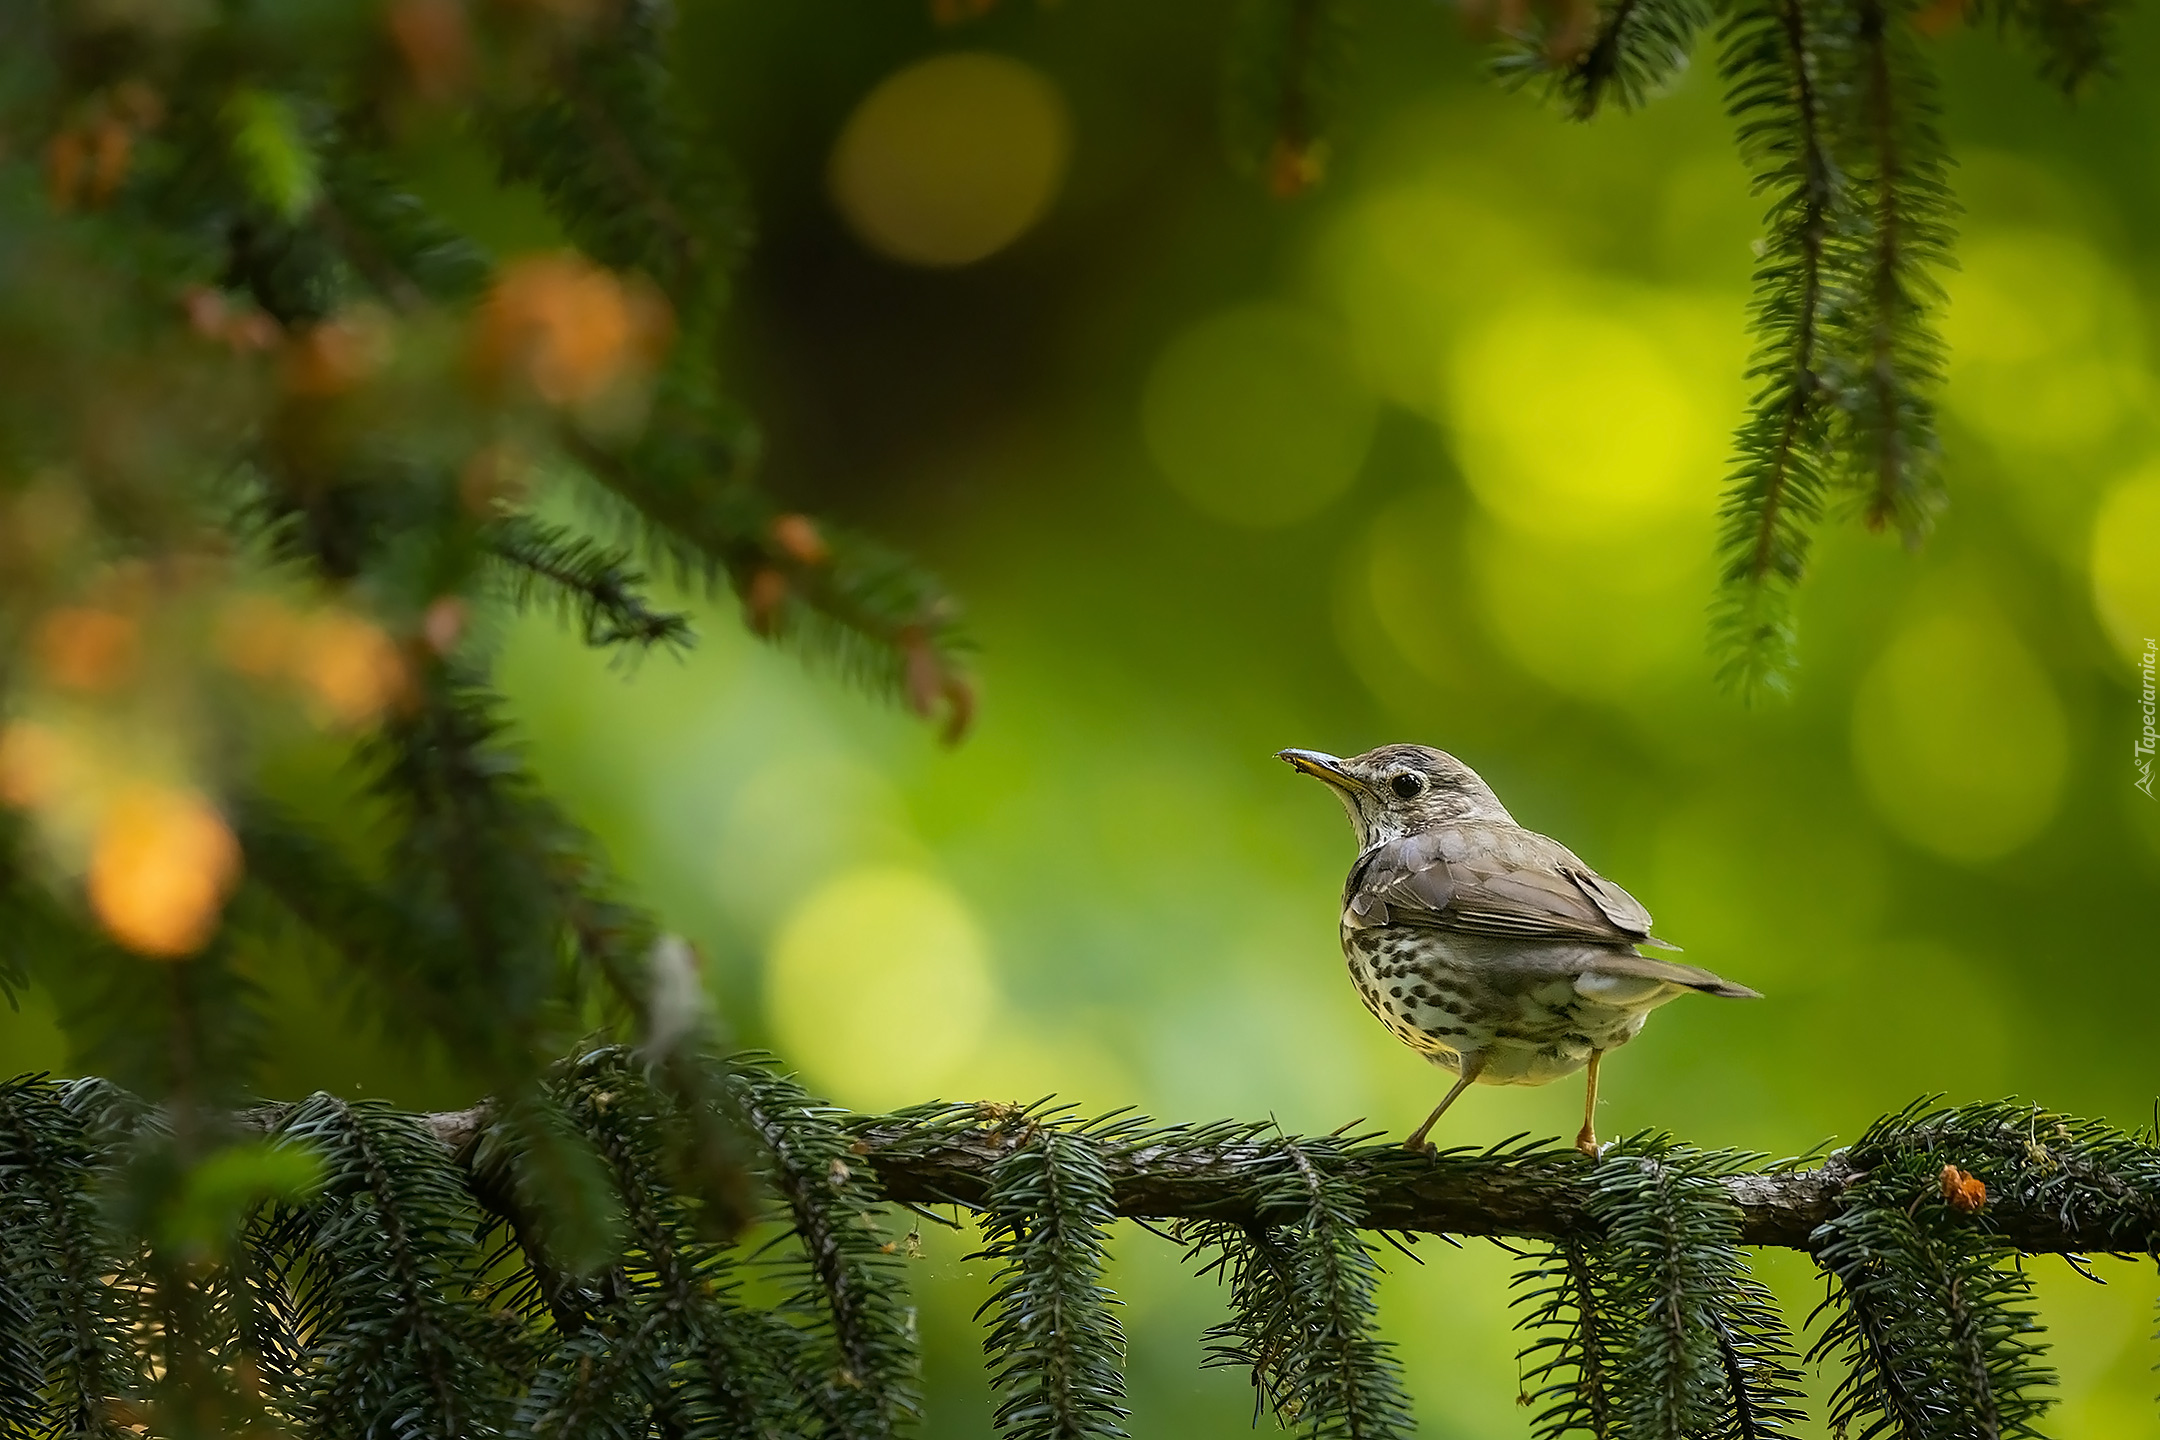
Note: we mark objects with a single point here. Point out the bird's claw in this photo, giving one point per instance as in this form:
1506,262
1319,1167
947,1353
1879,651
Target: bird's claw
1422,1147
1587,1143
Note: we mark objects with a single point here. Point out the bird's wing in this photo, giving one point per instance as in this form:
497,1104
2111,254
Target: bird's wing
1485,879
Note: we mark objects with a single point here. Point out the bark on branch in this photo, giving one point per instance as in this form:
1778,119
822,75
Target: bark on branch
1166,1183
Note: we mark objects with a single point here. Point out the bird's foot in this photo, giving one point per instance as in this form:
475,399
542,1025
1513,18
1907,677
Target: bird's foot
1418,1145
1587,1142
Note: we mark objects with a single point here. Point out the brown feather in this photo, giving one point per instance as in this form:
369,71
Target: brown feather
1490,878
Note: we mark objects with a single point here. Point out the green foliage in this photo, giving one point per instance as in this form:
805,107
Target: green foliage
1777,492
1301,1297
1284,64
842,1277
369,1284
399,1275
2074,41
1657,1329
1931,1313
1055,1345
68,1349
1835,111
582,579
1634,49
1833,105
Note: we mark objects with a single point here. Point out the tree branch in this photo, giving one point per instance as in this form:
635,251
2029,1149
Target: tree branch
1546,1199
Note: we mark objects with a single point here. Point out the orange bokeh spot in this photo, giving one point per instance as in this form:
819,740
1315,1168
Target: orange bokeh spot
352,667
799,538
160,869
37,764
80,648
568,328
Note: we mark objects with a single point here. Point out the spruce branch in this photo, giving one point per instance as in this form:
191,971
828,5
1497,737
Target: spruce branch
1348,1382
838,599
633,181
1260,1335
1930,1317
1055,1346
1636,49
584,579
1704,1353
2096,1190
74,1353
665,1342
1884,357
382,1269
1284,63
1774,497
1569,1365
842,1272
1301,1296
2075,41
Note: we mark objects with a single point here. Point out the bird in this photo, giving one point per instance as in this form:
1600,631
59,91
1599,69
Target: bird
1490,949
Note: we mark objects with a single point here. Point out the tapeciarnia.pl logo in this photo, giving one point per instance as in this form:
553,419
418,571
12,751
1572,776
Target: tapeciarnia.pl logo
2142,756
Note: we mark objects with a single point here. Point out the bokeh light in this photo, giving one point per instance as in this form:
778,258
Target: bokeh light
1959,735
2044,341
952,159
1583,416
1600,617
1256,416
797,820
2126,563
573,332
879,985
161,867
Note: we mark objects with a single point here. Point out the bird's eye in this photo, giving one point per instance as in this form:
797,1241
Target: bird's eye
1406,785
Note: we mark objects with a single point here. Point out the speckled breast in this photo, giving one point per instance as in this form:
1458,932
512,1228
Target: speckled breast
1447,995
1404,978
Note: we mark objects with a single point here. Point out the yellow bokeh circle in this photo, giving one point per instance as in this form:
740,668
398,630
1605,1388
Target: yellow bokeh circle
1575,417
1599,618
879,984
2043,342
952,159
1959,738
1257,416
2126,563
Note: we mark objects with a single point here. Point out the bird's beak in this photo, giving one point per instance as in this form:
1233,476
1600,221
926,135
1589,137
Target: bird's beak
1321,766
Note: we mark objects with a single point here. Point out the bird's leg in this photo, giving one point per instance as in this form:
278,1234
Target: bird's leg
1587,1140
1470,1068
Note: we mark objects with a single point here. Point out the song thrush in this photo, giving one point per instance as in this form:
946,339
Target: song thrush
1488,948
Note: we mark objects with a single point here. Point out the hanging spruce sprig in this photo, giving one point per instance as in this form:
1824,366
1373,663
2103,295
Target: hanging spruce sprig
1055,1345
581,579
380,1270
661,1339
1771,66
1634,49
841,1271
1568,1368
69,1343
1883,355
1284,62
1302,1309
1656,1328
1928,1313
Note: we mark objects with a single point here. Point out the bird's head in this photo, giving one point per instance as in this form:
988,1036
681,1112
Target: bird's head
1400,790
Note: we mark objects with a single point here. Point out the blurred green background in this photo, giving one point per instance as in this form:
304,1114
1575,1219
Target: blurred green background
1430,453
